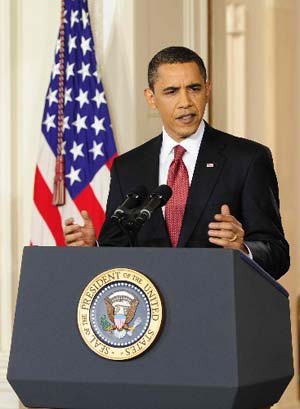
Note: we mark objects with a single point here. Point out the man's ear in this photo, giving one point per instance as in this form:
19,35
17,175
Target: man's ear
208,90
150,98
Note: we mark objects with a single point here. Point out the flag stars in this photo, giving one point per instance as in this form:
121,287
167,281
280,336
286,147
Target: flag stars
55,70
74,175
72,43
52,97
97,149
70,70
68,95
74,17
85,45
97,76
66,123
98,125
76,150
99,98
85,19
82,98
63,148
49,122
57,46
83,126
80,123
85,71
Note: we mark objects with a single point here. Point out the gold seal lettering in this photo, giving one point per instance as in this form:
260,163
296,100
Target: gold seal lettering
98,333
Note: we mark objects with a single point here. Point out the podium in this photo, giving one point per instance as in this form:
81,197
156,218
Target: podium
225,339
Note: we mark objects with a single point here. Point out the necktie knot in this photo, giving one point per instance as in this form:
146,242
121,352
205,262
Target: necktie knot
179,152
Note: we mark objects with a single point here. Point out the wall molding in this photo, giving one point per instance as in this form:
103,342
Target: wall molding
6,180
236,68
195,26
270,77
203,30
8,399
195,29
189,23
96,17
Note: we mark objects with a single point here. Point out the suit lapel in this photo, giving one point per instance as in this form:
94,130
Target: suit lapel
208,168
151,180
148,164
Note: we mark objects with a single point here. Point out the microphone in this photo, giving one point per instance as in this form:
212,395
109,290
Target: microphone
156,200
133,199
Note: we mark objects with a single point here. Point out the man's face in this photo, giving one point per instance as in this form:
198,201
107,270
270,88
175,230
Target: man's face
180,95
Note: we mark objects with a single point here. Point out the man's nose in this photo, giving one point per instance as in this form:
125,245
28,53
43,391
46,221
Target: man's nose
184,99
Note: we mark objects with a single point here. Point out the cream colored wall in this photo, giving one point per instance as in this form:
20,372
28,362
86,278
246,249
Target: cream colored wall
127,32
272,61
7,399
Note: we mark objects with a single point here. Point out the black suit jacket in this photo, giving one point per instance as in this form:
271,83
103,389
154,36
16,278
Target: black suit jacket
242,176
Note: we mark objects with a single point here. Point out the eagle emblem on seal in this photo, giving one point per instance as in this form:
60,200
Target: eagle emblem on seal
121,308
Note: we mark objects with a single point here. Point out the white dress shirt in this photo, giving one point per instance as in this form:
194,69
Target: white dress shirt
190,144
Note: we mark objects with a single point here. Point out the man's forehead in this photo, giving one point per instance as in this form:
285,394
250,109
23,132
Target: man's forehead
178,71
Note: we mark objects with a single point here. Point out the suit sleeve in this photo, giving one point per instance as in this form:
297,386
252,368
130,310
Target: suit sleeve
261,218
111,234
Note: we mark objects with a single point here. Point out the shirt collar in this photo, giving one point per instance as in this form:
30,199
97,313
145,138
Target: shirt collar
190,144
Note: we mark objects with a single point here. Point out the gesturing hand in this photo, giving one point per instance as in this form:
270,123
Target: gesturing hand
80,236
227,231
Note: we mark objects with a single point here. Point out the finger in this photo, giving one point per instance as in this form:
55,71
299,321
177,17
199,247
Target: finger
71,238
225,210
85,215
69,221
224,243
225,226
71,229
226,218
224,234
79,243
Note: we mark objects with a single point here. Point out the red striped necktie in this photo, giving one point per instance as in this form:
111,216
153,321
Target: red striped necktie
178,180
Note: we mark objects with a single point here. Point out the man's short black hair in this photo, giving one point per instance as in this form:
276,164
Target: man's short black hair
173,55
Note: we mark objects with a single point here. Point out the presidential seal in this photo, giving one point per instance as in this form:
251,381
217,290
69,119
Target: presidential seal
119,314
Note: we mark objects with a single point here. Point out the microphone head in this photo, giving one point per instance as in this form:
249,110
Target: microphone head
163,192
140,193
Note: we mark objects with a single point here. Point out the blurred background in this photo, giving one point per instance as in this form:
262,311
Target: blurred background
252,51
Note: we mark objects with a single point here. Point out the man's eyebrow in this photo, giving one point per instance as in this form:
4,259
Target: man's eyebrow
171,88
196,84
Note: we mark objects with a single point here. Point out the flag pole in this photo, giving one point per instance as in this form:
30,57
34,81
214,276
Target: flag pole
59,179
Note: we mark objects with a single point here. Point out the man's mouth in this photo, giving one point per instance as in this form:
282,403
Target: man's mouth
186,118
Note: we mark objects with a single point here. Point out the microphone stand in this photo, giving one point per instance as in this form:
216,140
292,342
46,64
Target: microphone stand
128,226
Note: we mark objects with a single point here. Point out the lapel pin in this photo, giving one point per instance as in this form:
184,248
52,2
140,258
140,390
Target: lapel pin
210,165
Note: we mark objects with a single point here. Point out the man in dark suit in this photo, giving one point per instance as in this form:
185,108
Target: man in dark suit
225,190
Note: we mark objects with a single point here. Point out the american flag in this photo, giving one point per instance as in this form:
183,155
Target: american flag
88,142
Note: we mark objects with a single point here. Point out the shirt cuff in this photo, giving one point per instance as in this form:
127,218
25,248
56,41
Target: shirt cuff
249,251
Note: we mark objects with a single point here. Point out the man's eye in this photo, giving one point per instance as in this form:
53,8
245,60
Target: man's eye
170,91
195,88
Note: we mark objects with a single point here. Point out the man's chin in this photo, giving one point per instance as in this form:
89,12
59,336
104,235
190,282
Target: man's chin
180,137
189,131
182,132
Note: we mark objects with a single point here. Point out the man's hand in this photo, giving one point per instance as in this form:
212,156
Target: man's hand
80,236
226,231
